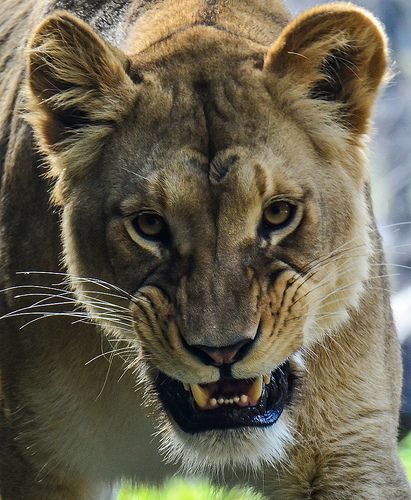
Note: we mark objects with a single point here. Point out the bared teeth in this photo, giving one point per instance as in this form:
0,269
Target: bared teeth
200,395
256,390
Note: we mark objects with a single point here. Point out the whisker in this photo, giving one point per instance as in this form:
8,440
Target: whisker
67,300
326,258
88,321
43,316
323,282
401,266
135,173
354,283
70,278
395,225
121,349
43,287
111,318
320,266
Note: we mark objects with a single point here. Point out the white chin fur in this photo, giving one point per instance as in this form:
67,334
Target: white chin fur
214,452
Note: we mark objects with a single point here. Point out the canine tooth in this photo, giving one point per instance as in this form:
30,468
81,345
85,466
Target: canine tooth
267,379
200,395
244,398
254,393
220,401
186,387
236,399
213,402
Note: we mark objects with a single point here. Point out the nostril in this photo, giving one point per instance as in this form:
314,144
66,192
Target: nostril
225,355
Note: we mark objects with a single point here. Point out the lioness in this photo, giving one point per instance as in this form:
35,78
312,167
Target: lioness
209,251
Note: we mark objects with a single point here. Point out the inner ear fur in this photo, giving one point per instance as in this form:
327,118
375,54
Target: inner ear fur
335,53
78,88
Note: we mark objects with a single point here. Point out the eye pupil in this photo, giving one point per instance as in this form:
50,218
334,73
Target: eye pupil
149,224
278,214
152,221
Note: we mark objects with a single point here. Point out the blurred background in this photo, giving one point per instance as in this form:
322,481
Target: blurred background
390,163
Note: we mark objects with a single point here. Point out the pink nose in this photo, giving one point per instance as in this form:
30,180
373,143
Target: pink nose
223,355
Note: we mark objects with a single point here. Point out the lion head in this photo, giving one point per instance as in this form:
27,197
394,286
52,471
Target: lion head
214,208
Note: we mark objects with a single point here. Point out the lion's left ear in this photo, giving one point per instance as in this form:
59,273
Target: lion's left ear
337,53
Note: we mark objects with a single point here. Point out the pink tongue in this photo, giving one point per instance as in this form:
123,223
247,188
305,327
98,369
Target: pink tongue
228,387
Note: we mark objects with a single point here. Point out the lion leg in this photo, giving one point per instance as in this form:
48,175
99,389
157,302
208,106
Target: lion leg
363,464
364,487
361,483
341,473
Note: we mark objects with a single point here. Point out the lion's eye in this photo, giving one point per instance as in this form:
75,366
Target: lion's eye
149,225
278,214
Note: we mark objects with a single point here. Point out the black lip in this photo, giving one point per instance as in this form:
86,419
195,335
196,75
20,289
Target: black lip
180,405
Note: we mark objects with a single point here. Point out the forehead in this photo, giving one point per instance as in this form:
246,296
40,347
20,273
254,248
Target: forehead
206,127
236,179
196,91
178,178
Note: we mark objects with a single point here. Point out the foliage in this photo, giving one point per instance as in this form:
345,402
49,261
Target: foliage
405,454
183,490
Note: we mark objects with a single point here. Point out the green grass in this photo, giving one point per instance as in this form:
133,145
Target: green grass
177,489
405,454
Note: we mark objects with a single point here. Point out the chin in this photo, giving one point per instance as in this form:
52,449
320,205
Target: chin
216,451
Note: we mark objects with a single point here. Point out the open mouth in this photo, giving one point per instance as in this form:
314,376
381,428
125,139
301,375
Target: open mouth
227,404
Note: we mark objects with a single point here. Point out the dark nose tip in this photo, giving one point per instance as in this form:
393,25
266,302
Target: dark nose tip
226,355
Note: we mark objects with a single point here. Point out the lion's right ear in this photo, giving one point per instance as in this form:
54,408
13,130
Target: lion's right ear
78,89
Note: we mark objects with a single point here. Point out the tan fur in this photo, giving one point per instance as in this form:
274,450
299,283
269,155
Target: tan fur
202,112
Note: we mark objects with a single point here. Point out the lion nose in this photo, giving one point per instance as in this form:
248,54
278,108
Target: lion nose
226,355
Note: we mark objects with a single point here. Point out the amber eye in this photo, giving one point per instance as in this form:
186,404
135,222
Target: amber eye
278,214
149,225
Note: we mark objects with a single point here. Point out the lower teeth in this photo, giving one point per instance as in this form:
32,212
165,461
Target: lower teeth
203,400
228,401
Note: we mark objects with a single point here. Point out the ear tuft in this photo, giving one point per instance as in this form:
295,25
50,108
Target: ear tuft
78,89
335,53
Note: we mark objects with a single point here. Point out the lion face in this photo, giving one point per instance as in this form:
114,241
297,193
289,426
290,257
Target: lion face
218,204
